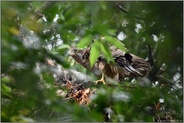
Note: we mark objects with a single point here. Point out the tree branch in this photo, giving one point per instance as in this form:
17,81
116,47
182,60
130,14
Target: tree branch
121,8
39,12
126,11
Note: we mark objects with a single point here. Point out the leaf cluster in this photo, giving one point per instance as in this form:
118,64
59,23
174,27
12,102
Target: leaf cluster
33,32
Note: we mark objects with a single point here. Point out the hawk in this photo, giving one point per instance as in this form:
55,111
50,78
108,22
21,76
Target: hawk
126,64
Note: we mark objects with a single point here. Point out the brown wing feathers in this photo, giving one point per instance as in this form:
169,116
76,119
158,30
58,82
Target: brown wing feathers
125,64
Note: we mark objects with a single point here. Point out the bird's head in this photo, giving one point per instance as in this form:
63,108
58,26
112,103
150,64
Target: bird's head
76,53
81,56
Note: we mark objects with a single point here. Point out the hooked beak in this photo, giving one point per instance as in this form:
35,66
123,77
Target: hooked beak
72,52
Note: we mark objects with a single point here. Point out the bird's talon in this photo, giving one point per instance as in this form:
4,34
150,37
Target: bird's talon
100,81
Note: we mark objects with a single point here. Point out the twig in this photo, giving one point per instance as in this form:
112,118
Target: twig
155,49
121,8
126,11
35,112
38,13
51,114
156,113
66,9
115,85
150,55
165,80
5,73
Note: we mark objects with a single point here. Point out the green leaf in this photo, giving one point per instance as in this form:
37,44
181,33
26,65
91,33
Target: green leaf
6,79
100,28
48,78
62,16
51,12
116,43
6,90
97,48
94,52
86,41
111,31
106,51
64,46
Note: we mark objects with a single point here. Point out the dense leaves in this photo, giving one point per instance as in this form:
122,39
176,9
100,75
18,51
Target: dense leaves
39,82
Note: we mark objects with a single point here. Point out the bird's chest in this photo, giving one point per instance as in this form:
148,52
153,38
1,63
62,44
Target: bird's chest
100,65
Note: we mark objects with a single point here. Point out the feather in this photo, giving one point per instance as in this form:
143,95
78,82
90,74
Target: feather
125,64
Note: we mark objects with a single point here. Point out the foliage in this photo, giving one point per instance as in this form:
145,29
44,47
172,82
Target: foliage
32,32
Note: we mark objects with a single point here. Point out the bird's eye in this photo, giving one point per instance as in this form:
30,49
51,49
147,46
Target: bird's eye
75,50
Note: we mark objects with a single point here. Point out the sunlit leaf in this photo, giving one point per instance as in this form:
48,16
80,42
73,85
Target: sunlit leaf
116,43
62,17
5,90
63,46
85,41
94,52
6,79
106,51
14,31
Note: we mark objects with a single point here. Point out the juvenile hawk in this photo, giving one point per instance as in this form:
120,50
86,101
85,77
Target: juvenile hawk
125,65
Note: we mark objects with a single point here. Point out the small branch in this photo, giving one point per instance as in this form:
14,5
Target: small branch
6,72
37,111
62,74
121,8
126,11
150,55
66,9
164,80
56,58
39,12
155,49
51,114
